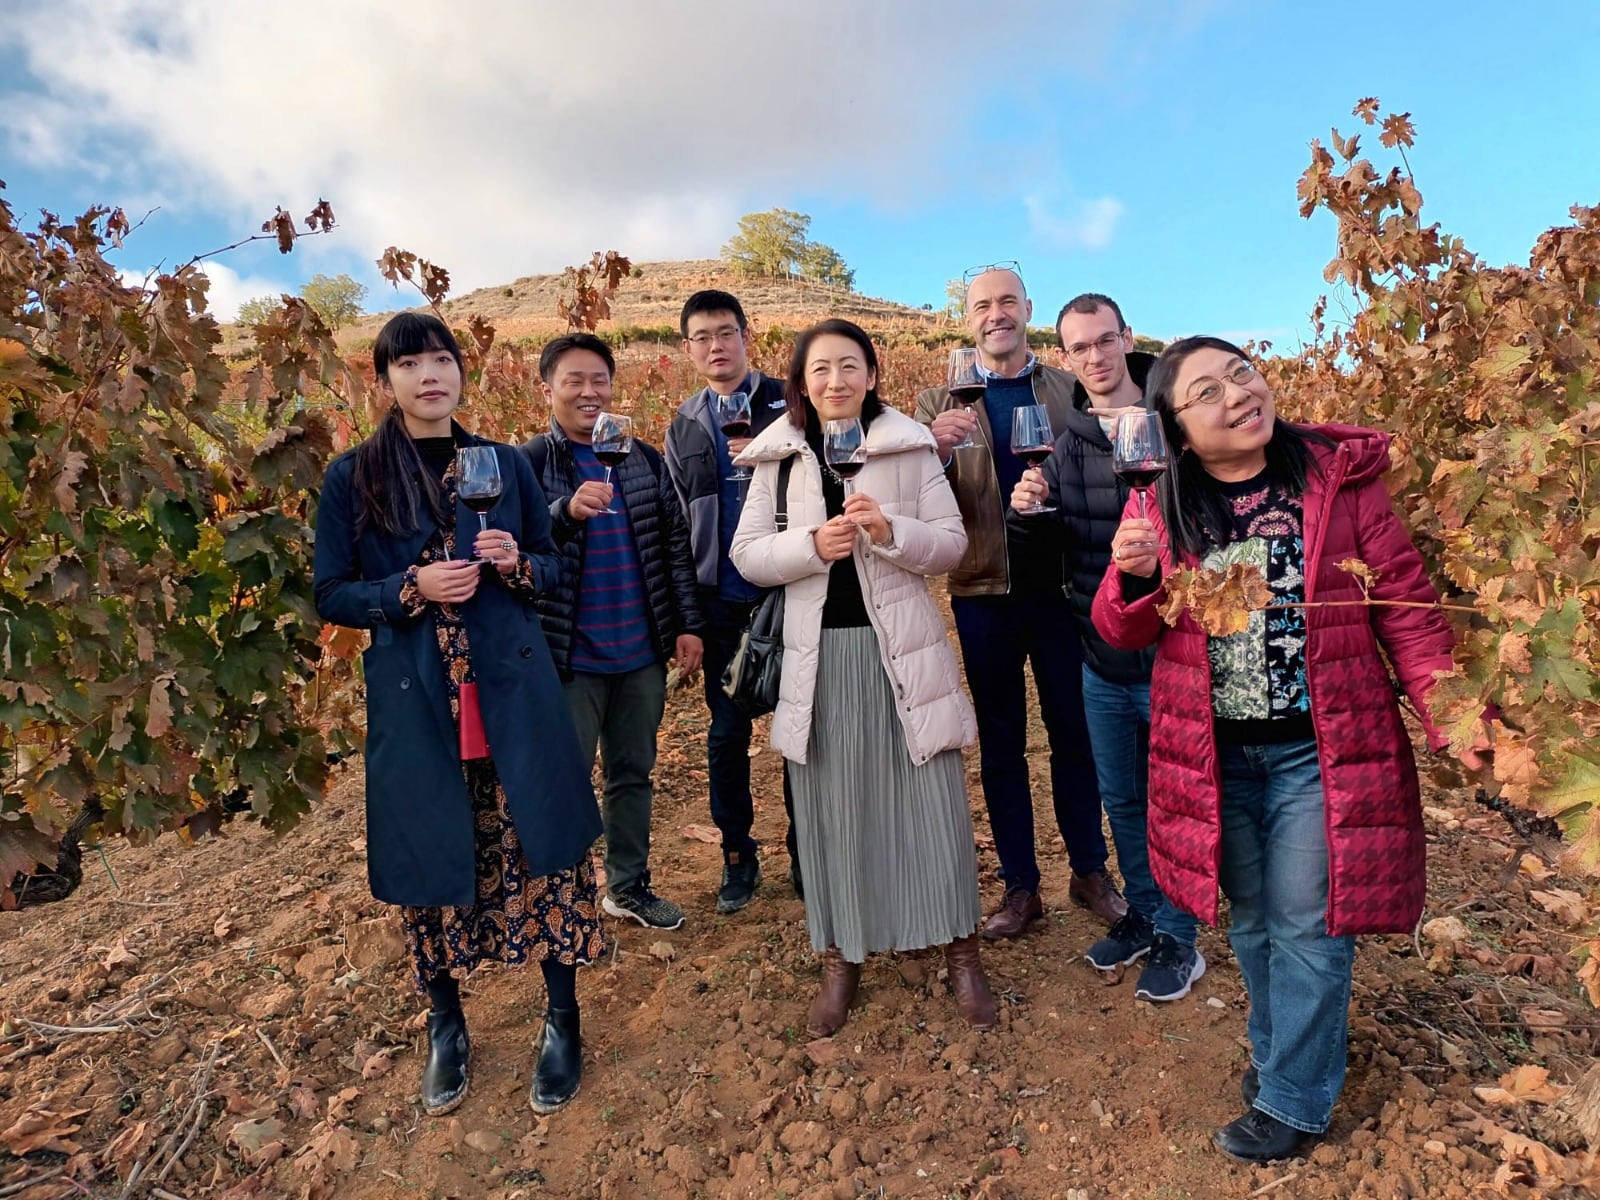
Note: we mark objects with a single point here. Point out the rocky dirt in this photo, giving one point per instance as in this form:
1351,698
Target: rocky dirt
233,1018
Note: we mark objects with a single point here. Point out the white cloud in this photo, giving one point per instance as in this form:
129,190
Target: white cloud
228,288
1084,225
507,136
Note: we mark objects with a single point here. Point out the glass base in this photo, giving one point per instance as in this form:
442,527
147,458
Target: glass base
1036,510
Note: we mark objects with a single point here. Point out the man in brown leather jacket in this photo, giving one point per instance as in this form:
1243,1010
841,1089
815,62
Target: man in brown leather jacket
1010,610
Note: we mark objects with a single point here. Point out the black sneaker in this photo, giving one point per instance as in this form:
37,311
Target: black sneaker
741,876
1128,941
1258,1138
640,904
1170,971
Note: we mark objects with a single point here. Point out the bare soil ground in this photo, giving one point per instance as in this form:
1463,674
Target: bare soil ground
234,1018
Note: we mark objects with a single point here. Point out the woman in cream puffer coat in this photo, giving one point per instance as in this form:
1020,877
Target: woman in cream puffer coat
870,714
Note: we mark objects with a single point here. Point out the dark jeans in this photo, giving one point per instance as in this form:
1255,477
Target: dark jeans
622,713
999,636
1119,733
728,741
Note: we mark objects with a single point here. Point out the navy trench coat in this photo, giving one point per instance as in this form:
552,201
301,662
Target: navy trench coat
420,848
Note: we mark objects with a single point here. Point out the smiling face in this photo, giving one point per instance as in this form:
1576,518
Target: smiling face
998,311
579,390
837,376
1229,435
1096,351
426,386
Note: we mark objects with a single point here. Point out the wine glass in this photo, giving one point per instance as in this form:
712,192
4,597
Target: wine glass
842,447
733,415
478,482
967,385
611,440
1032,441
1140,455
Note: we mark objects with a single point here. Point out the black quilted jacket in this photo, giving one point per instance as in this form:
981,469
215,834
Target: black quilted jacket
660,537
1089,499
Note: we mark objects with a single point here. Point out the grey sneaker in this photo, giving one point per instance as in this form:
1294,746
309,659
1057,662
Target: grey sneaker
1128,941
1170,971
640,904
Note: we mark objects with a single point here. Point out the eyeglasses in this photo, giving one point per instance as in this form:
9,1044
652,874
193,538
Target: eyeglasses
1208,390
1009,264
1105,343
720,337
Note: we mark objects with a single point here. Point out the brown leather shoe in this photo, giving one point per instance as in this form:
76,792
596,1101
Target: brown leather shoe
1020,909
1096,892
974,999
831,1008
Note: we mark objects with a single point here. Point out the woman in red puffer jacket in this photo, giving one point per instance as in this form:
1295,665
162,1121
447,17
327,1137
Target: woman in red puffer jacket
1280,769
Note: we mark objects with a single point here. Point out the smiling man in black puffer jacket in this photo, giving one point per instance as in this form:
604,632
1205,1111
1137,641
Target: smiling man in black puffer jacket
1078,478
623,606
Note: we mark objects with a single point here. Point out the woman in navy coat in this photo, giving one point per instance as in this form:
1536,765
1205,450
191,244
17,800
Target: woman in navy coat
485,848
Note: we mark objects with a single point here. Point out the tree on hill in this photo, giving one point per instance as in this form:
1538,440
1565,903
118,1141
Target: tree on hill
773,244
336,299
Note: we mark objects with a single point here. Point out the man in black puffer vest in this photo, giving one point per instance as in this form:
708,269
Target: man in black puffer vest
1098,347
624,605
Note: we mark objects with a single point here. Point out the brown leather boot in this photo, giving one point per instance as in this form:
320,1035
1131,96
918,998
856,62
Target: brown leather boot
974,1000
1017,912
831,1008
1099,895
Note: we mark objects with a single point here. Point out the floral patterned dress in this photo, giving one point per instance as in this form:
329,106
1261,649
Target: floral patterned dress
516,919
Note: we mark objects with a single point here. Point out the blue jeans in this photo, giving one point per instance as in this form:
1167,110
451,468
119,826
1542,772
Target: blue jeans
1275,875
1118,715
999,636
728,739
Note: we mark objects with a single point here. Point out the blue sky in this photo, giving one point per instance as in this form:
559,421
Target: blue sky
1148,149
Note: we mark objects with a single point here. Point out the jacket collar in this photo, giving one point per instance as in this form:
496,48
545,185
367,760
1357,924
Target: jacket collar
891,432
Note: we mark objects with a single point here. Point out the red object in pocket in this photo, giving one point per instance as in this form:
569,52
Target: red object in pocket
474,741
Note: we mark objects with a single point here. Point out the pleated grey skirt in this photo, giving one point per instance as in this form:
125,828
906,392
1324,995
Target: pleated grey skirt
886,847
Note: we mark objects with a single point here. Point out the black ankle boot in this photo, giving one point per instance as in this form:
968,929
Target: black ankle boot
444,1077
560,1067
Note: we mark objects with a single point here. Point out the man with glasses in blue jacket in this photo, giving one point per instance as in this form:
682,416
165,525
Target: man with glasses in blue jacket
716,338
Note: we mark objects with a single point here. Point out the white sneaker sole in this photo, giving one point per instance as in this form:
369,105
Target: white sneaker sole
616,910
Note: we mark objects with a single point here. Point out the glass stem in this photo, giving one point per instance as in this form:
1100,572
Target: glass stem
1139,494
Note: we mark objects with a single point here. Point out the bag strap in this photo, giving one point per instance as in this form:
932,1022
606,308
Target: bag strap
780,514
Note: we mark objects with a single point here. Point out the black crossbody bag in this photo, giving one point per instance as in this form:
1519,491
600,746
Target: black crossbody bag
751,680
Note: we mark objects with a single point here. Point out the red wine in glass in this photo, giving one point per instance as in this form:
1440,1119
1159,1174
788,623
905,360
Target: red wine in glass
846,470
1142,475
1031,441
733,417
478,482
611,440
967,384
1139,453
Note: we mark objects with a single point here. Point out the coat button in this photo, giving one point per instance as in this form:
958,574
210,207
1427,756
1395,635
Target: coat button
405,683
526,652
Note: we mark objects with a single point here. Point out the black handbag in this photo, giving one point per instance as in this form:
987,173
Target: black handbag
751,680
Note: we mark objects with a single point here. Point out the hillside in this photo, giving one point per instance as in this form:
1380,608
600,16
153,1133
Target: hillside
655,294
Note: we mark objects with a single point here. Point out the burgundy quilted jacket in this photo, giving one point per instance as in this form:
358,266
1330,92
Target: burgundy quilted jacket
1373,811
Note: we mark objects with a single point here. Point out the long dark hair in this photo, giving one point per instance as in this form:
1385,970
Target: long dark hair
802,413
391,484
1196,511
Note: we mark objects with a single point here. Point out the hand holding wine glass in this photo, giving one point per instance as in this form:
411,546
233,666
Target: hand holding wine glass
1032,442
1139,455
733,418
478,482
968,386
612,442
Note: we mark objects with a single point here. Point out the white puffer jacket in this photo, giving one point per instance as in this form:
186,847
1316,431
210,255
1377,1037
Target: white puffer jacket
903,475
